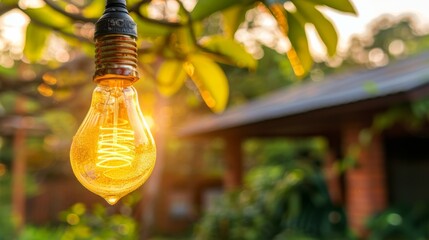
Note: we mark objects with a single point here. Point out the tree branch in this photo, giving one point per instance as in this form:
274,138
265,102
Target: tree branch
76,17
61,31
136,7
215,55
159,22
4,8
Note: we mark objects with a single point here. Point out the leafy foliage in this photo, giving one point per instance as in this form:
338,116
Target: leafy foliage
323,26
81,224
171,76
210,81
77,223
274,71
98,224
340,5
34,46
7,221
6,225
176,36
283,198
400,222
299,55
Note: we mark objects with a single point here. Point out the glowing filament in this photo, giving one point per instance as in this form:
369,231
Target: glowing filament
115,147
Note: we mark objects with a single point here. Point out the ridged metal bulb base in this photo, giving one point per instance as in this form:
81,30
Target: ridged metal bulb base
116,54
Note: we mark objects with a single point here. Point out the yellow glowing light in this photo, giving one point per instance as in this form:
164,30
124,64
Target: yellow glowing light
150,122
113,152
72,219
115,147
49,79
12,25
45,90
24,4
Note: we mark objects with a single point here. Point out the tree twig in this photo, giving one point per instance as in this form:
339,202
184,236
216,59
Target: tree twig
159,22
215,55
136,7
77,17
4,8
60,30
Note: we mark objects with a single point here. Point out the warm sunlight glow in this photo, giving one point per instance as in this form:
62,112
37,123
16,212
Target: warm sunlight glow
397,47
377,57
115,147
31,3
164,10
12,24
45,90
150,122
12,32
49,79
14,18
264,31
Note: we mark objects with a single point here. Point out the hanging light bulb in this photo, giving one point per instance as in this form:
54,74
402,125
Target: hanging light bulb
113,152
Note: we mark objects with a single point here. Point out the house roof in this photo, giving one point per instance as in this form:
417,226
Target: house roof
399,77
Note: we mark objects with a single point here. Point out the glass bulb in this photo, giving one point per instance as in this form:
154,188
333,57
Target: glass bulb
113,152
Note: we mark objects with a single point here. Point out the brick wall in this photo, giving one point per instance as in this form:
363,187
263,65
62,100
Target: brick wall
366,188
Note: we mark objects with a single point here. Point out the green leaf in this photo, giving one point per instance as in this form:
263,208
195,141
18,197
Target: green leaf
8,2
324,27
182,41
35,39
131,3
95,9
86,47
231,49
340,5
205,8
150,29
170,77
146,28
294,205
232,18
8,71
210,81
299,55
49,17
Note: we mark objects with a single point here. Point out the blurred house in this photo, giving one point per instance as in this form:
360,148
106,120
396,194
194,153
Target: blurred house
364,117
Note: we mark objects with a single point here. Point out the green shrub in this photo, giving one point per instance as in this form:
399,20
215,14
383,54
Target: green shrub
400,223
97,225
287,200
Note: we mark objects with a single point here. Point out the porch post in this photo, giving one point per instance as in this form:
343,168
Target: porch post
366,188
19,166
232,162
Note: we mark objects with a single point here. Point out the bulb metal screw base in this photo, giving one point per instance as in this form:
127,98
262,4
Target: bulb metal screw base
116,54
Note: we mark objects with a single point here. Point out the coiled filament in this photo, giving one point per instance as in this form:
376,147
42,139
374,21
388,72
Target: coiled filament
115,147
